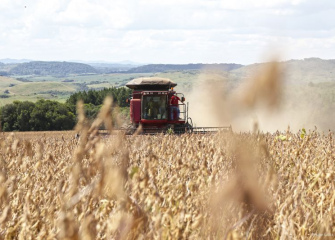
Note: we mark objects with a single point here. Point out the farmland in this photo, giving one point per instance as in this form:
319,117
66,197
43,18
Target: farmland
227,185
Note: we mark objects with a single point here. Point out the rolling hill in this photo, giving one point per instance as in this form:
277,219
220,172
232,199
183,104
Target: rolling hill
153,68
52,68
57,80
308,70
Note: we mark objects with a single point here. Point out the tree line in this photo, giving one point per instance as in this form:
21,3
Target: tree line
96,97
48,115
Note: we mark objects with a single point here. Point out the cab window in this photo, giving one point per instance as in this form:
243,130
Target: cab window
154,107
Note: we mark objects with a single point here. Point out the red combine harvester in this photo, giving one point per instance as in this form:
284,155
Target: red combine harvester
159,109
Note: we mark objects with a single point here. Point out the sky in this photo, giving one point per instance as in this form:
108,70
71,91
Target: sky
172,31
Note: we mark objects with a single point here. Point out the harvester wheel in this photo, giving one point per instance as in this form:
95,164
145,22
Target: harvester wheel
188,128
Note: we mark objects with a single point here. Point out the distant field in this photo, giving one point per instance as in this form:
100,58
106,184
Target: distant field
33,98
5,82
188,79
100,85
32,91
113,78
38,87
32,88
180,77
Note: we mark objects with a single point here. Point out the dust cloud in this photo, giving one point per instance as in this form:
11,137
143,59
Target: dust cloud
264,101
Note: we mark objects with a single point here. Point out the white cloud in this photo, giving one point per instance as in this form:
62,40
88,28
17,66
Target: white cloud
227,4
86,13
164,31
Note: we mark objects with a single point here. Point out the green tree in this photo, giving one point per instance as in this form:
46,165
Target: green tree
8,117
23,116
96,97
51,115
